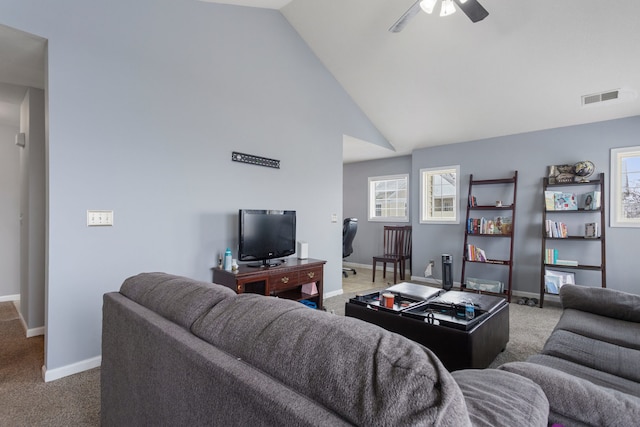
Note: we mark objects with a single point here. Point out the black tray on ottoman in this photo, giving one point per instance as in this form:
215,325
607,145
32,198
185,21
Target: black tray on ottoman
458,344
448,309
406,295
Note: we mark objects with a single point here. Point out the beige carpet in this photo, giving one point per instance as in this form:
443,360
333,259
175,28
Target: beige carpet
26,400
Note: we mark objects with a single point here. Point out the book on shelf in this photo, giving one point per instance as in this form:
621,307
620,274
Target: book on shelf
590,201
474,253
565,202
550,256
565,277
552,284
550,200
497,225
556,229
566,262
472,201
591,230
485,285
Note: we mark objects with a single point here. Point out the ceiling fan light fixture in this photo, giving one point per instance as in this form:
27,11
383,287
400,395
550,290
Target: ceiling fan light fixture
428,5
447,8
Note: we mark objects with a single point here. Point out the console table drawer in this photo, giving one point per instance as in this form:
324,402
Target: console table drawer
284,281
310,275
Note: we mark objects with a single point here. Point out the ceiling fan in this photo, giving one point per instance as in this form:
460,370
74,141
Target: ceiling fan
471,8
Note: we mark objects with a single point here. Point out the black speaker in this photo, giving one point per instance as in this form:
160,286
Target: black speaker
447,272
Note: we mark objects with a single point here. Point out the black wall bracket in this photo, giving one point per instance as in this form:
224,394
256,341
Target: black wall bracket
255,160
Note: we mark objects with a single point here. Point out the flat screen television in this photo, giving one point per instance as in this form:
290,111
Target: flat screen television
265,235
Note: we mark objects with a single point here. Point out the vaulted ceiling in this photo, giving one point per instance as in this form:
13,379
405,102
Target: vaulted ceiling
444,80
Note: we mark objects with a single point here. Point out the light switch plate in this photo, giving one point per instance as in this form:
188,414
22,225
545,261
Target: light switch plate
99,218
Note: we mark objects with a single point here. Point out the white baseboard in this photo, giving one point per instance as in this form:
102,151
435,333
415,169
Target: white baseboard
356,265
74,368
332,294
6,298
34,332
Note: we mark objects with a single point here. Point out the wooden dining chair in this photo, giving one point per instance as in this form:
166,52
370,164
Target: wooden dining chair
405,253
394,251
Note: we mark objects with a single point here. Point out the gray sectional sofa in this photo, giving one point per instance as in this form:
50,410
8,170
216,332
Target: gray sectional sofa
176,351
589,367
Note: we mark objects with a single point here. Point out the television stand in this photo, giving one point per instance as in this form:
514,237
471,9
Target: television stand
265,264
284,281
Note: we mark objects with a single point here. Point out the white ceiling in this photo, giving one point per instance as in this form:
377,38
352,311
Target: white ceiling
442,80
447,80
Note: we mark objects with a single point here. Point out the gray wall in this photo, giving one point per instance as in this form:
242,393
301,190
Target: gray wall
530,154
146,102
9,213
32,211
368,240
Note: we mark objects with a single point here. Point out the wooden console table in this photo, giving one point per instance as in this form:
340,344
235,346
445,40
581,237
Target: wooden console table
283,281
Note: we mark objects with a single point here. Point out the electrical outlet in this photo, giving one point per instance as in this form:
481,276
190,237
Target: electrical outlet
99,218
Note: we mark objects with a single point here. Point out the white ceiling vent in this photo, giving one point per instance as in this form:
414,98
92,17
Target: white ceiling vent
600,97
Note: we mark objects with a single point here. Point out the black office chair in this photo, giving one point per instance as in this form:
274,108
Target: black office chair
349,228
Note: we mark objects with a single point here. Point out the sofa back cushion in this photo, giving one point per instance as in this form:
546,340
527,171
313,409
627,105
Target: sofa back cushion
364,373
179,299
602,301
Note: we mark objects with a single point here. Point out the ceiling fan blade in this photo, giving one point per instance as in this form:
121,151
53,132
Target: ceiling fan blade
473,10
406,17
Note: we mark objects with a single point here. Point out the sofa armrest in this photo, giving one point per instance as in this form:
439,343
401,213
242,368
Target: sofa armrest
575,401
601,301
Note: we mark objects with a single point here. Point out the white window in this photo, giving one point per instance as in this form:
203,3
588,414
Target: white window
439,189
388,198
625,187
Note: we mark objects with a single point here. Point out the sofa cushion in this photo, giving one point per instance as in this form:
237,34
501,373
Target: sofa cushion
600,378
620,361
575,401
602,301
500,398
601,328
364,373
179,299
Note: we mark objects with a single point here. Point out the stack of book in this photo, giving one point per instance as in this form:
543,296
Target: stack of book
474,253
551,257
497,225
556,229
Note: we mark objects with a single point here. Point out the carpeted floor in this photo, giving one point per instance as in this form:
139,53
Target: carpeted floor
26,400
